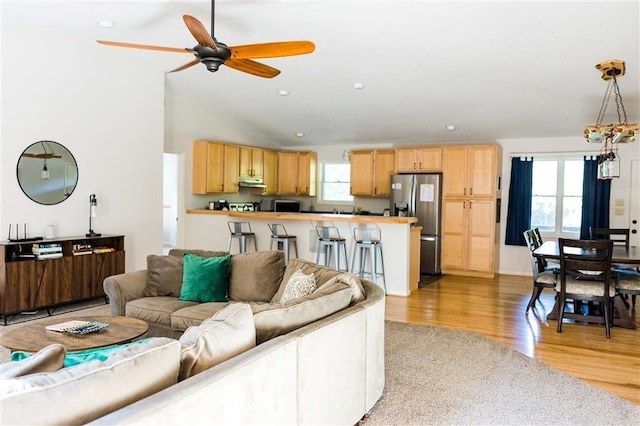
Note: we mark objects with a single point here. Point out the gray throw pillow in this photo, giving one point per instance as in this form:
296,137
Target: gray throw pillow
164,276
255,276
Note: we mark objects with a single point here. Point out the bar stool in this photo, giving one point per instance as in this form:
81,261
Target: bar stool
368,241
242,231
329,239
280,236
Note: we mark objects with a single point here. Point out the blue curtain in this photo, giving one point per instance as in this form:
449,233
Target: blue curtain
520,192
595,199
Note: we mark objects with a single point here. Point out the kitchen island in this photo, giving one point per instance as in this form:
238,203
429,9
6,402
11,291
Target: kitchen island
208,229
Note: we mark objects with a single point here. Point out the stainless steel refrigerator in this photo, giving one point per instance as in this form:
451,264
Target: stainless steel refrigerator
419,195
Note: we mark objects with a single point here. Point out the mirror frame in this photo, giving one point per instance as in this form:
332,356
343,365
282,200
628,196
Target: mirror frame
62,175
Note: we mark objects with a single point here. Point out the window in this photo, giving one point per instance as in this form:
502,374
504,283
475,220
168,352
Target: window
336,182
556,202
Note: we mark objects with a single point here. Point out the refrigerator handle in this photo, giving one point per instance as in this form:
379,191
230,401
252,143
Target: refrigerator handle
412,196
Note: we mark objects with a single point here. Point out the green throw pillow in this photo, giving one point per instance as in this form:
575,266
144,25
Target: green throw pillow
205,279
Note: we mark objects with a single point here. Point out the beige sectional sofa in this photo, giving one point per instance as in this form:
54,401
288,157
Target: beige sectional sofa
317,359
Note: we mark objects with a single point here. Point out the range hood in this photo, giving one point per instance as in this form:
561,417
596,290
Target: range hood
250,182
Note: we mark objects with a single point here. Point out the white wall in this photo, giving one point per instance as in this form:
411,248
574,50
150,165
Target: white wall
106,108
515,259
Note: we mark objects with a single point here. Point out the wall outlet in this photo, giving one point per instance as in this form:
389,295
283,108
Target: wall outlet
619,212
619,202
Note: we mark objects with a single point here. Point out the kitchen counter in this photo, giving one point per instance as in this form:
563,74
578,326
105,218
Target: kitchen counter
336,217
208,229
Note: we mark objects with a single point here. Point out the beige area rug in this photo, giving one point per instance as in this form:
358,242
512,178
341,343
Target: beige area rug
443,376
96,307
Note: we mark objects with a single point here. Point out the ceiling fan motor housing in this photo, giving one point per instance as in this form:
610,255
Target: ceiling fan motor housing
212,59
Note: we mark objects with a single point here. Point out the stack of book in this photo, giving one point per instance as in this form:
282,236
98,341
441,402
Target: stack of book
80,249
47,250
99,250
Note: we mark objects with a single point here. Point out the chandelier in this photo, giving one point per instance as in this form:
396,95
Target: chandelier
611,134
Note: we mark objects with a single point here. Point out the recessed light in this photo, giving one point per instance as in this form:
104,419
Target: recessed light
358,86
451,127
106,24
283,92
300,135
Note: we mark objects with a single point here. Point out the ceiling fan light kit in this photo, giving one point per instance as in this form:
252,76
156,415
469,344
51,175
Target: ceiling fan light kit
213,53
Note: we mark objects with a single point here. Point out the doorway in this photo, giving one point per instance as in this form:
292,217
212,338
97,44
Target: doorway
172,201
634,205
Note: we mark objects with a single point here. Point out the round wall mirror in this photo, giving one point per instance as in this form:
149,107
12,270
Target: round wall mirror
47,172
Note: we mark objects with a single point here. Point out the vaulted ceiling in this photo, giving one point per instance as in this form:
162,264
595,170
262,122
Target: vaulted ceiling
495,70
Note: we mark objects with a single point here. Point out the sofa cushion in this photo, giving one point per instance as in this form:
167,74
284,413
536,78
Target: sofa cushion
255,276
50,358
63,396
299,285
205,279
276,319
194,315
156,310
229,332
164,273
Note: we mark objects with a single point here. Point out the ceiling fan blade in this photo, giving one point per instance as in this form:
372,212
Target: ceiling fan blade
199,32
252,67
272,50
145,46
185,66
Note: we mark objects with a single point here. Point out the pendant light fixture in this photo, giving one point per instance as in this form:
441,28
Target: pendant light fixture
611,134
44,174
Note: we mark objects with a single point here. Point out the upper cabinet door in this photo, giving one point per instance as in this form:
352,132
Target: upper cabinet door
307,173
287,173
383,168
270,172
230,169
361,172
482,171
430,159
406,160
454,168
251,162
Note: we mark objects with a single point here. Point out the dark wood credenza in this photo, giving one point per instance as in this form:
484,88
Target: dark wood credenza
27,283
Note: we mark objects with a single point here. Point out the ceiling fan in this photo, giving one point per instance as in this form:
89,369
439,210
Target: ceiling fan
213,53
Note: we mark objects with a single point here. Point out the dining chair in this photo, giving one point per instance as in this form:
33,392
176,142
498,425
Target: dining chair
539,241
585,275
628,274
619,236
543,275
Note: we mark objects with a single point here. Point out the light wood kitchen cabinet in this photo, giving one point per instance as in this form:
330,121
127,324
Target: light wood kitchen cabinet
418,160
270,172
470,171
468,237
251,162
469,210
371,172
215,168
297,173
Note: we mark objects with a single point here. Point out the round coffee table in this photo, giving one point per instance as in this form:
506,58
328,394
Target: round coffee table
33,337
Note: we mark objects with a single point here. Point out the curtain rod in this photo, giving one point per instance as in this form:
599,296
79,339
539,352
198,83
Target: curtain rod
552,154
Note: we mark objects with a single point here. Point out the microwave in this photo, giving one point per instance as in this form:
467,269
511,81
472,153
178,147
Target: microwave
286,206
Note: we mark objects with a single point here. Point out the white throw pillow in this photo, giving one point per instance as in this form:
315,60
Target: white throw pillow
299,285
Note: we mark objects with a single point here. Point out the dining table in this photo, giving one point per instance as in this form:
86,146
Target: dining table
620,255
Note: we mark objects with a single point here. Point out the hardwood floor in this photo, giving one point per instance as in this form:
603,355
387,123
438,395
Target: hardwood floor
495,308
